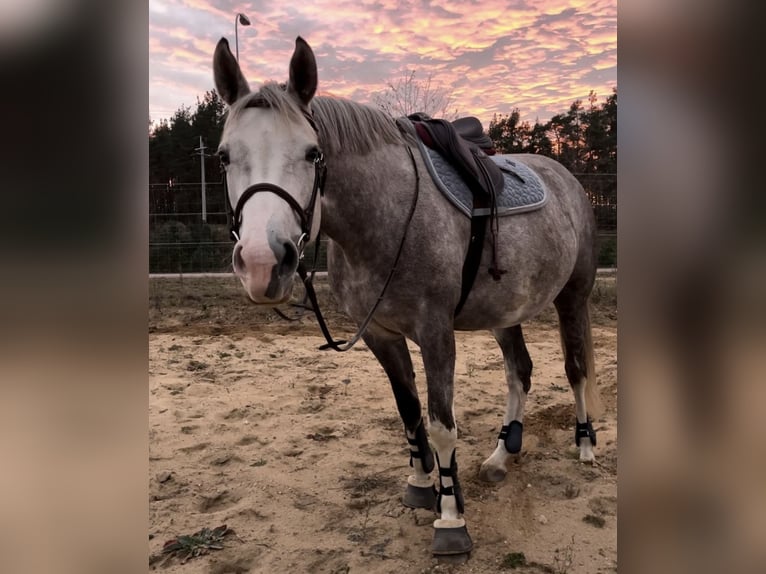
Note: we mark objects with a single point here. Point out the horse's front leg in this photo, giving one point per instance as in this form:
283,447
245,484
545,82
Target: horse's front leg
394,356
450,532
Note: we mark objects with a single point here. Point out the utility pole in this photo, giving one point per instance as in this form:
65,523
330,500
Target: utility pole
201,149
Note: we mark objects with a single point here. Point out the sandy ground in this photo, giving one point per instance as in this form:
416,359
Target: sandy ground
303,455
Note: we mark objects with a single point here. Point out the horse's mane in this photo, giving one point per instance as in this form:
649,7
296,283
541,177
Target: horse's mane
271,95
344,126
351,127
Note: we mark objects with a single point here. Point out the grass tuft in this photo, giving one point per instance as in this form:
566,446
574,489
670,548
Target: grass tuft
513,560
190,546
594,520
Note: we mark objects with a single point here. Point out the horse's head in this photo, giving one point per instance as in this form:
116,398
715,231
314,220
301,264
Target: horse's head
274,171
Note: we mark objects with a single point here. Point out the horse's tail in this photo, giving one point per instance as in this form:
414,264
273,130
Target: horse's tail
592,396
593,403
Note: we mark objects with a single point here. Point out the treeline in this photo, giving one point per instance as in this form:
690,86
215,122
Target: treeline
584,139
172,142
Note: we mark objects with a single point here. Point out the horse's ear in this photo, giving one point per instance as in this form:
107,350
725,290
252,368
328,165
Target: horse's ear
229,81
303,72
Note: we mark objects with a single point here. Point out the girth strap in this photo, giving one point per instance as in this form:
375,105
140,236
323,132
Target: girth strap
479,172
474,170
472,258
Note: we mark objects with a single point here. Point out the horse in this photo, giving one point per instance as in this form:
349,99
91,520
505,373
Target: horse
296,163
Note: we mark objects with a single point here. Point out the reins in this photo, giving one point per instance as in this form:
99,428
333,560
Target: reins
341,345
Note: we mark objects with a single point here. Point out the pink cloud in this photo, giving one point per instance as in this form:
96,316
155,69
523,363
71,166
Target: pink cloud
494,55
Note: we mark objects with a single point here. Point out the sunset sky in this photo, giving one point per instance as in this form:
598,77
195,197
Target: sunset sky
493,55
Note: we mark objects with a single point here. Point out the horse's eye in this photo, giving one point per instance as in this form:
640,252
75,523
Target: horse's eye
223,156
312,154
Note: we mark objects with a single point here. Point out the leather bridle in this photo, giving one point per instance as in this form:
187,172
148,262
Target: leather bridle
305,215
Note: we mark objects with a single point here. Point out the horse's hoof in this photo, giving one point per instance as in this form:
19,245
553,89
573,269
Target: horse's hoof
452,544
453,558
586,451
419,497
492,473
588,457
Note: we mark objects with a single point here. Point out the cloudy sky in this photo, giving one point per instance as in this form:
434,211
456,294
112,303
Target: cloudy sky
493,55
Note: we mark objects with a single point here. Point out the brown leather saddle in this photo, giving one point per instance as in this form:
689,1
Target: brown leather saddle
464,144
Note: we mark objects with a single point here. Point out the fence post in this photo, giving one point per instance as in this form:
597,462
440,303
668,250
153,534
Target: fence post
201,149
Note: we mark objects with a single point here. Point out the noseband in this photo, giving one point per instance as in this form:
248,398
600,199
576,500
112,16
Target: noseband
305,215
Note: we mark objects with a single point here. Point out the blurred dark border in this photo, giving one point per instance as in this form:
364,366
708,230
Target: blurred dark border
692,284
73,251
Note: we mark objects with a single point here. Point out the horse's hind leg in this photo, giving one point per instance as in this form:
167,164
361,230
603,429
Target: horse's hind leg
518,373
574,324
394,356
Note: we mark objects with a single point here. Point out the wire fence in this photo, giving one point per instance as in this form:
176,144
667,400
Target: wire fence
182,241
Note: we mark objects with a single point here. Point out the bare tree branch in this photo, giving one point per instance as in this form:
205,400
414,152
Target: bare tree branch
407,95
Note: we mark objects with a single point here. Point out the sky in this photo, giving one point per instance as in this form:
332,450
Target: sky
492,55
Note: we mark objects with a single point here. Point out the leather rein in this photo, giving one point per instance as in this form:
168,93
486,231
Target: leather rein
306,218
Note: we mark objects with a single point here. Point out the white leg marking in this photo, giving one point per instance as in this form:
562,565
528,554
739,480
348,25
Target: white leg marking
579,395
495,465
586,448
444,441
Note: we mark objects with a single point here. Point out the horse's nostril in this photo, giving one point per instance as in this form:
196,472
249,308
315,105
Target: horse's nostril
238,262
289,261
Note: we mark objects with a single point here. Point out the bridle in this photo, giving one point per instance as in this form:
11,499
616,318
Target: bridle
306,217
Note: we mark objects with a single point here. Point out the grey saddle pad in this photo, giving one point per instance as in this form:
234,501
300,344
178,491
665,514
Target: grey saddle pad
524,191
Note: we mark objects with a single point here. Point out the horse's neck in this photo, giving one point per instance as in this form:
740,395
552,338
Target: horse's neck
366,200
363,196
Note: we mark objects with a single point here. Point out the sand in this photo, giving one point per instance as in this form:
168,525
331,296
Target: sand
302,454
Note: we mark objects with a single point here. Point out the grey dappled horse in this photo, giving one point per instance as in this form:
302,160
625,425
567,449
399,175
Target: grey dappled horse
375,193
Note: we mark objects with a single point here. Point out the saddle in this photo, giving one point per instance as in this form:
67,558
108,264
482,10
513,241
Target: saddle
470,128
464,144
467,148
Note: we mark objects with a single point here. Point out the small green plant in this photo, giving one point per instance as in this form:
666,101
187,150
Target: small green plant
513,560
195,365
571,491
190,546
594,520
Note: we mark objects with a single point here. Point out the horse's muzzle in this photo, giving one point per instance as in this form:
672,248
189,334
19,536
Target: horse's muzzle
266,272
